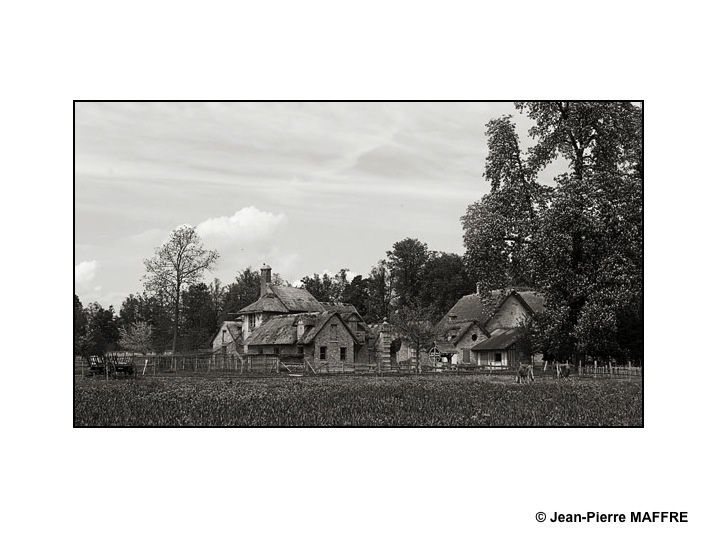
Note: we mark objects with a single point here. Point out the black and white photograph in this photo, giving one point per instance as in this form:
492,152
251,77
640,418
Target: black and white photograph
359,264
359,270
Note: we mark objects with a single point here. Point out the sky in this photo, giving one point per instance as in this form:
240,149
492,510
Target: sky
303,187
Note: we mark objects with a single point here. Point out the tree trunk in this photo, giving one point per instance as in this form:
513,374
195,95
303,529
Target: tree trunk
176,322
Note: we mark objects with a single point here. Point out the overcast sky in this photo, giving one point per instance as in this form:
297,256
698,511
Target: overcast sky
305,187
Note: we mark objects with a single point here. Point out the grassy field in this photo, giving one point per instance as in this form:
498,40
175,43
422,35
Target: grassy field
431,400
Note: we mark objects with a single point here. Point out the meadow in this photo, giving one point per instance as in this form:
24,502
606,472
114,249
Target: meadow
427,400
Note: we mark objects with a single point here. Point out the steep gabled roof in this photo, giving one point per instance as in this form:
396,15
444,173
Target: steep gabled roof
322,319
296,299
234,328
499,340
339,307
533,299
481,308
280,330
264,304
284,299
471,307
444,347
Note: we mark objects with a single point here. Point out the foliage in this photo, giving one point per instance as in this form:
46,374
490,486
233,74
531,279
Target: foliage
242,292
380,293
101,333
406,262
137,337
580,243
180,262
79,325
499,230
326,288
435,400
199,320
414,323
443,280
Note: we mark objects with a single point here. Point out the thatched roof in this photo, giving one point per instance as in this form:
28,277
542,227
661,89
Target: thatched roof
499,340
284,299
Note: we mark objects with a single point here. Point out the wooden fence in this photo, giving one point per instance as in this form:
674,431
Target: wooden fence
610,369
208,364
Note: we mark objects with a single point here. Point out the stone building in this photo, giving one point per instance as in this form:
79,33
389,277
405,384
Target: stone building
290,323
482,329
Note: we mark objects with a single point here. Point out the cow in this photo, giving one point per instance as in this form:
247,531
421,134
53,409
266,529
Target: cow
525,373
562,371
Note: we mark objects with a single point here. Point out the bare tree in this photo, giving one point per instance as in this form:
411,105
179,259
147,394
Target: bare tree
177,264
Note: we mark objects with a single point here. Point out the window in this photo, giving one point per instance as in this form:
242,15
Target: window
498,357
343,353
276,351
474,337
261,350
323,353
333,332
301,351
251,321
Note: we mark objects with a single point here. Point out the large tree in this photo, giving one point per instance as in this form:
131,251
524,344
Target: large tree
79,324
380,293
499,230
588,243
102,333
443,280
357,294
177,264
241,293
406,262
199,318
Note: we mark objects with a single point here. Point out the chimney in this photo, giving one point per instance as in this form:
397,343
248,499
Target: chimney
265,277
477,288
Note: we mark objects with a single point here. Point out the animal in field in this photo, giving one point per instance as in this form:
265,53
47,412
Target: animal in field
563,371
525,373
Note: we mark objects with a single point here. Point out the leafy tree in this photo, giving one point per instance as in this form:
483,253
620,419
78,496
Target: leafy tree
321,287
406,262
217,293
152,310
136,337
499,230
380,294
443,280
413,323
177,264
326,288
102,332
357,293
199,319
241,293
588,244
79,325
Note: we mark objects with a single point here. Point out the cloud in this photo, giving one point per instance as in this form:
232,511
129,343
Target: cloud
247,225
85,272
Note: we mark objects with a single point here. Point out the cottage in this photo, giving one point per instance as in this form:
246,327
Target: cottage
481,329
289,322
229,339
318,338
